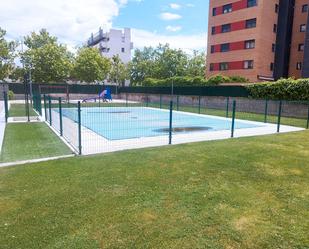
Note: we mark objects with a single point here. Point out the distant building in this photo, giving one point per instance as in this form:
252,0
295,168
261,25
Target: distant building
114,42
258,39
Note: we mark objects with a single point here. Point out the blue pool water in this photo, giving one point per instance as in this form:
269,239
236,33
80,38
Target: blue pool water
116,123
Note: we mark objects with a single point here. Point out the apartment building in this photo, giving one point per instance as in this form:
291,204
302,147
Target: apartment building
258,39
113,42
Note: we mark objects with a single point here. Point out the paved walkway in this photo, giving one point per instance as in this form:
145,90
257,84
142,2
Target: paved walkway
2,123
34,160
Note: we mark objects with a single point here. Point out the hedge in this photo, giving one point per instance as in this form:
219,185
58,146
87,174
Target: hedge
284,89
192,81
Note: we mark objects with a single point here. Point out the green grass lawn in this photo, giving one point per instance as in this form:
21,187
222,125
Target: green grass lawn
237,193
24,141
18,110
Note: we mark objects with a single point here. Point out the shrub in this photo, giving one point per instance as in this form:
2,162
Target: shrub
283,89
192,81
11,95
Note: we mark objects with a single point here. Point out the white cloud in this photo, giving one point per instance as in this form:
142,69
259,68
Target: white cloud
188,43
175,6
70,20
167,16
190,5
173,28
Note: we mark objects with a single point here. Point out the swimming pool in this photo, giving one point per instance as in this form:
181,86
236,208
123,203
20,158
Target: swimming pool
119,123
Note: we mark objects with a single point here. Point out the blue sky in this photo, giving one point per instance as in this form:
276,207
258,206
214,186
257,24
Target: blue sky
181,23
145,15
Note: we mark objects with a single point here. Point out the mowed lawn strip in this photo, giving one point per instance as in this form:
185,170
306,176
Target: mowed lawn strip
237,193
19,110
23,141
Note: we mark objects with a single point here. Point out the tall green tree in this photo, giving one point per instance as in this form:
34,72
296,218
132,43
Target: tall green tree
164,62
90,66
196,64
38,40
6,55
169,62
50,63
17,74
47,60
119,71
142,65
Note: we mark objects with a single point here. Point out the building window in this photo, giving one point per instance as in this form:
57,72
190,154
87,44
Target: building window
213,30
251,3
123,39
227,8
249,44
304,8
212,49
301,47
277,8
251,23
248,64
211,67
226,28
224,66
225,47
275,28
122,50
214,11
298,66
273,47
272,66
302,28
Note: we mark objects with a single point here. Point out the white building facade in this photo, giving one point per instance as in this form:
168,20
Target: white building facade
114,42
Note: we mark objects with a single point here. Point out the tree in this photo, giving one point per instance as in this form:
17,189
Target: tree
50,63
197,64
164,62
47,60
34,40
169,62
17,74
6,55
142,65
119,71
90,66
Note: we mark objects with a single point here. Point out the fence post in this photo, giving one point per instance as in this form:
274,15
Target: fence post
177,103
266,111
308,118
6,106
49,106
40,104
199,104
233,118
171,123
126,99
60,117
279,116
147,100
160,101
227,106
45,108
79,129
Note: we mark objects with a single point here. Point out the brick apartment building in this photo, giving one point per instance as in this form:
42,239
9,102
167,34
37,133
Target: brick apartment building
258,39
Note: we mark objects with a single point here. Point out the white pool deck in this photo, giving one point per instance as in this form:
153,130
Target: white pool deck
93,143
